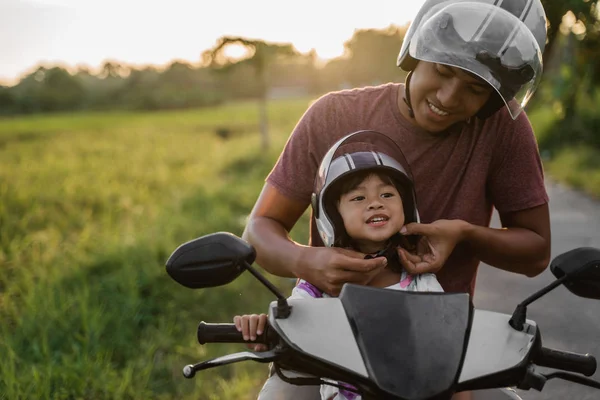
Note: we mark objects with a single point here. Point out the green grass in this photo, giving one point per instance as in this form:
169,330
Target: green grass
577,166
91,207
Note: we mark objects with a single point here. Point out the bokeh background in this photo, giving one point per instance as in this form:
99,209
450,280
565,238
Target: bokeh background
129,127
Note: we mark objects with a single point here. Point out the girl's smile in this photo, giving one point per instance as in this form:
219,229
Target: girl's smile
378,220
372,212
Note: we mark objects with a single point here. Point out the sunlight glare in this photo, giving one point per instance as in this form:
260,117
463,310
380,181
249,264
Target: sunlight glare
139,32
235,51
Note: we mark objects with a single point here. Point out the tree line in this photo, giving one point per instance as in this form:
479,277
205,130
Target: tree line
570,83
280,68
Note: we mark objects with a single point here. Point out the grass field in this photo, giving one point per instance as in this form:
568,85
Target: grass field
577,166
91,207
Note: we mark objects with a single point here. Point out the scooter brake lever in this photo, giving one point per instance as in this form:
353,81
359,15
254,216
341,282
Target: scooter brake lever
263,357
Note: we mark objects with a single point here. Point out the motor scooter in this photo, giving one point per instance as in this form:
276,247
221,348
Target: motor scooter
390,344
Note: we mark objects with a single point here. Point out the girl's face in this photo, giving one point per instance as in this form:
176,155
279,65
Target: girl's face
372,212
441,96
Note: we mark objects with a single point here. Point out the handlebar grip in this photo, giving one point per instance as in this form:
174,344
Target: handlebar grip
228,333
581,363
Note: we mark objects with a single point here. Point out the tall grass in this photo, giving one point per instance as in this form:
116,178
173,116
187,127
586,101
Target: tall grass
574,162
91,205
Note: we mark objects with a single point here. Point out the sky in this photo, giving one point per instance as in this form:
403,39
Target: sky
139,32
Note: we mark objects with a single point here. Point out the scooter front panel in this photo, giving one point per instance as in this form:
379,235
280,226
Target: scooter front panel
494,346
320,328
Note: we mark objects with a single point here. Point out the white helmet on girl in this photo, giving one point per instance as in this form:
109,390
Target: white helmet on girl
357,152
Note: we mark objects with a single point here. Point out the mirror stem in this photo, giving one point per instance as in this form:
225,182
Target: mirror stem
283,308
520,314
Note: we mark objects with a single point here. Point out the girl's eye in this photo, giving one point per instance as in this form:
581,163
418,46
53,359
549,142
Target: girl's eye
357,198
387,195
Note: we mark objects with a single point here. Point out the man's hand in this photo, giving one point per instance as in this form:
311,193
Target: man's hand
328,268
434,248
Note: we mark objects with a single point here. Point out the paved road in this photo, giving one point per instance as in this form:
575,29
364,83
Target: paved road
566,321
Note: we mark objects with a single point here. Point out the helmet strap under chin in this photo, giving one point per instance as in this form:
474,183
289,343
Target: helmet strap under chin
406,96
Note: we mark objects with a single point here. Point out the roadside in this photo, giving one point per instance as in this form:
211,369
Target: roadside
567,322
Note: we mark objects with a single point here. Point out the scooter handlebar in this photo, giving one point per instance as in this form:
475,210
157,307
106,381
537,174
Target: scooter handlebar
228,333
580,363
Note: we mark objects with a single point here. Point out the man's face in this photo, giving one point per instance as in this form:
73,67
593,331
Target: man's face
441,95
372,212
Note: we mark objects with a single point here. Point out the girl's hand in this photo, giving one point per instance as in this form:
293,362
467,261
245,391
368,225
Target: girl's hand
251,326
438,241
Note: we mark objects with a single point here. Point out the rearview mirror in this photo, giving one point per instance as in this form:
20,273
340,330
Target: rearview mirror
208,261
582,267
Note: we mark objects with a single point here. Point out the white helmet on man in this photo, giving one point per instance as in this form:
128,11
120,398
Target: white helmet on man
501,41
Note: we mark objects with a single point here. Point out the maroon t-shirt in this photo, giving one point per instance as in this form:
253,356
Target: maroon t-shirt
461,174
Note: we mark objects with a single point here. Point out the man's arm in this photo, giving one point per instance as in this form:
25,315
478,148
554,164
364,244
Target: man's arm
272,218
521,246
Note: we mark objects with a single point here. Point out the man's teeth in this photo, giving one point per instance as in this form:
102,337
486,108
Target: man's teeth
437,110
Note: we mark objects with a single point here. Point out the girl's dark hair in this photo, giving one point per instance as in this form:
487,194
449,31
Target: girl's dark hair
350,182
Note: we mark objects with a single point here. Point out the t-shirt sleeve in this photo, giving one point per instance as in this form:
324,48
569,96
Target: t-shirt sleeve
516,180
295,171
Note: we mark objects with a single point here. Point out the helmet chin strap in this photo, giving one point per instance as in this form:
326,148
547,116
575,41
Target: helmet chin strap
406,96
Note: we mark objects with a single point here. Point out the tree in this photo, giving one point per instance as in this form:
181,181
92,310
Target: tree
585,13
112,69
48,89
60,91
138,90
263,54
573,55
7,101
371,55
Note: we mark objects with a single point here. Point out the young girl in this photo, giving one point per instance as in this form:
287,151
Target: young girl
361,201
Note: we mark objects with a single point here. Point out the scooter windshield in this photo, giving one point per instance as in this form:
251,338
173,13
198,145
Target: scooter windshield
412,343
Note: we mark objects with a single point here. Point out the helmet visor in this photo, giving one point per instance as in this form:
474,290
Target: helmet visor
486,41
